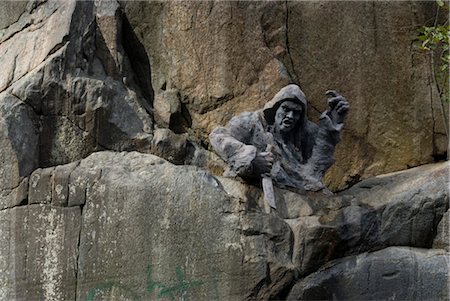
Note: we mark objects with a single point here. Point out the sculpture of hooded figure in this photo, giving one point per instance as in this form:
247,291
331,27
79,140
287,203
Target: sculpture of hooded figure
281,143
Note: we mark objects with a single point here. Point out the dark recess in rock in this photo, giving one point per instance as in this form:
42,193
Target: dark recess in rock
139,61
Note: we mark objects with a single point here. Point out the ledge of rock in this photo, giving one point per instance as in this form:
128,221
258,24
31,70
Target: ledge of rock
395,273
120,226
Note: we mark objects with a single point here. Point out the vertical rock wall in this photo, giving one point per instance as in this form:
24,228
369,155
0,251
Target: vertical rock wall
78,223
220,58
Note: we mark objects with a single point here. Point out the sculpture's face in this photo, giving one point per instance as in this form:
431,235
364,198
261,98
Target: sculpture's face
287,116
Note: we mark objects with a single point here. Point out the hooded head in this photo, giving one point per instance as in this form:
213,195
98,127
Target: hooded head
292,93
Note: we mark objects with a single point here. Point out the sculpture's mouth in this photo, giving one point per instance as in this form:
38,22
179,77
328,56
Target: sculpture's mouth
288,122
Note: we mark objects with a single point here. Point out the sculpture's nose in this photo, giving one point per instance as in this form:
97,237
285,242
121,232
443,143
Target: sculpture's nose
290,114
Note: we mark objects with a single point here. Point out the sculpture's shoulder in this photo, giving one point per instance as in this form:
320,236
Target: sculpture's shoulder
241,127
249,118
246,122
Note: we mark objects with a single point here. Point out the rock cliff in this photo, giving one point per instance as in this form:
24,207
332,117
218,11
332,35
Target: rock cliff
108,190
132,226
215,59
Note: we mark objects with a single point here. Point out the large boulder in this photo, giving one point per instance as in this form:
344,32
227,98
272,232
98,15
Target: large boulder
144,223
118,226
396,273
398,209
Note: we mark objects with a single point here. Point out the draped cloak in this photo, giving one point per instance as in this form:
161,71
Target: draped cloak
299,163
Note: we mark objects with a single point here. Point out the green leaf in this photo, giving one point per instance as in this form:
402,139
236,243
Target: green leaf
440,3
422,38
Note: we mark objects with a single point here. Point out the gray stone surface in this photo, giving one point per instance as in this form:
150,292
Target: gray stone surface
442,239
139,227
147,221
400,209
396,273
19,149
170,146
76,77
11,12
39,251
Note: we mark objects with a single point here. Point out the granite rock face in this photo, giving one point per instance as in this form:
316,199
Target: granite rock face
86,84
67,66
39,253
119,226
398,209
363,50
101,75
442,238
19,149
395,273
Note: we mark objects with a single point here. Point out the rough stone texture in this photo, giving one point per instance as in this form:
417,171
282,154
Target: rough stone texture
395,273
140,227
77,77
19,149
370,57
66,63
399,209
170,146
38,256
442,239
364,50
11,12
144,222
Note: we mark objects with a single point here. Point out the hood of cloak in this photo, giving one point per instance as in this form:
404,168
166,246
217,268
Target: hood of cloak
290,92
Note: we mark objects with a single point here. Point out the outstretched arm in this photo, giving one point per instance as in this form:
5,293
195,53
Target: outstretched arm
330,126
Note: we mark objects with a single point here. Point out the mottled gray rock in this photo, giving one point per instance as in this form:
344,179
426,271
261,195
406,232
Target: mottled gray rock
400,209
30,42
167,107
145,220
19,149
146,226
396,273
60,183
11,12
442,239
38,253
41,182
69,66
170,146
76,79
154,230
356,221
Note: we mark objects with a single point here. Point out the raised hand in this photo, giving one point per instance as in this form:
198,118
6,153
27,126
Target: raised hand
339,106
